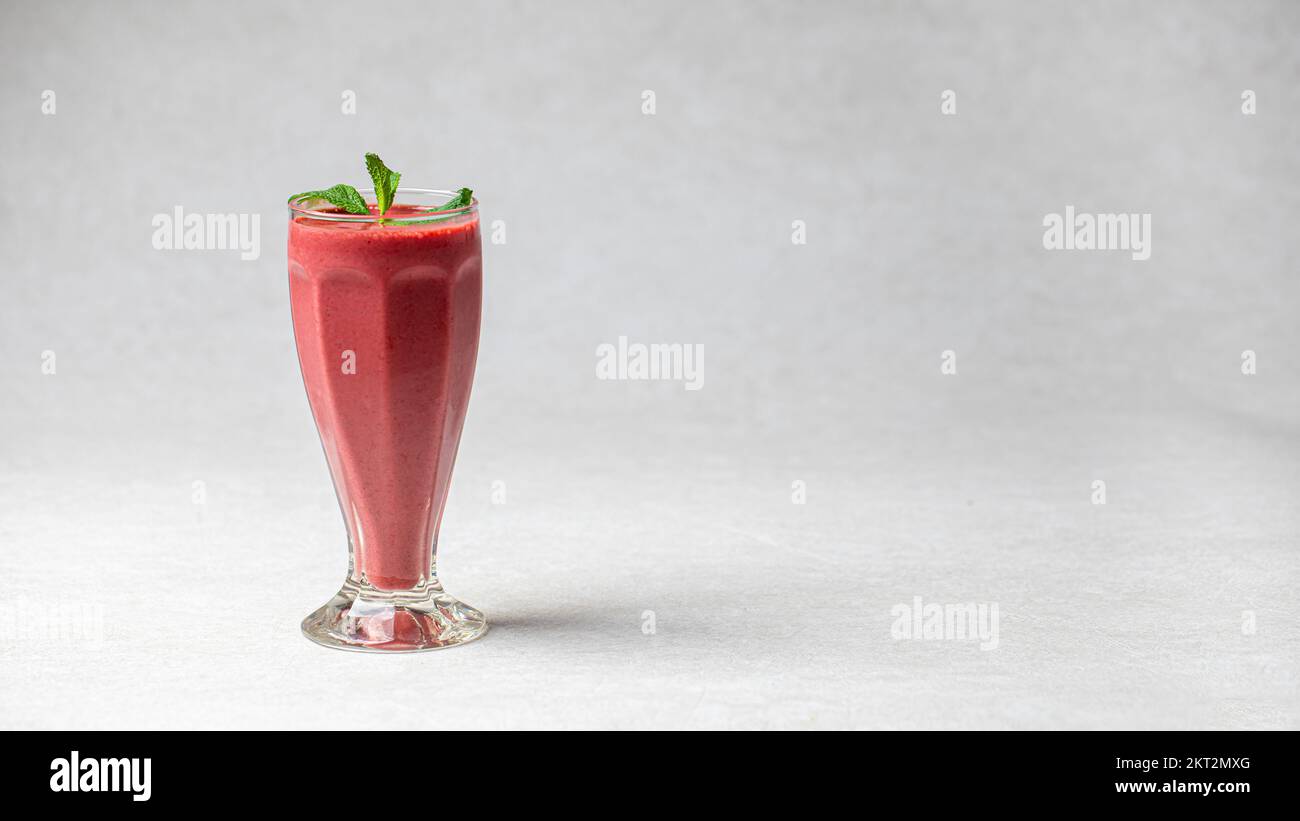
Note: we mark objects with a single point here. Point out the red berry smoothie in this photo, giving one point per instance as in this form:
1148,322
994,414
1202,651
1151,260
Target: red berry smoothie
386,318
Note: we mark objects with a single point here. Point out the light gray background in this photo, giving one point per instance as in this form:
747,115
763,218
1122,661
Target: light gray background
822,362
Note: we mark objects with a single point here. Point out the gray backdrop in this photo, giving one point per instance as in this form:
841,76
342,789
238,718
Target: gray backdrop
166,517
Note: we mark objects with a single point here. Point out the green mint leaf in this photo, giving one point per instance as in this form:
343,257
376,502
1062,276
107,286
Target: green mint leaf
463,198
342,195
385,180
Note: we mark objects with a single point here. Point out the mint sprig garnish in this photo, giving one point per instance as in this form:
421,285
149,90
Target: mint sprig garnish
342,195
385,180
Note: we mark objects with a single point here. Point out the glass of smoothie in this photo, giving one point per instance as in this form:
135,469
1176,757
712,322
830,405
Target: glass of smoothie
386,320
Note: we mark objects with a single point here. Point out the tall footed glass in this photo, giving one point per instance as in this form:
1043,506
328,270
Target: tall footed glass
386,320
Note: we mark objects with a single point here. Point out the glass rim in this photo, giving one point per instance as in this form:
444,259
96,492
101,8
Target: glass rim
297,207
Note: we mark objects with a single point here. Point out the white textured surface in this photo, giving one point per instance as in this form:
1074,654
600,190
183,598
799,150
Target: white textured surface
822,363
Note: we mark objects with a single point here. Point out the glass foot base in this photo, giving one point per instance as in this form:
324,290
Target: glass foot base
365,618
